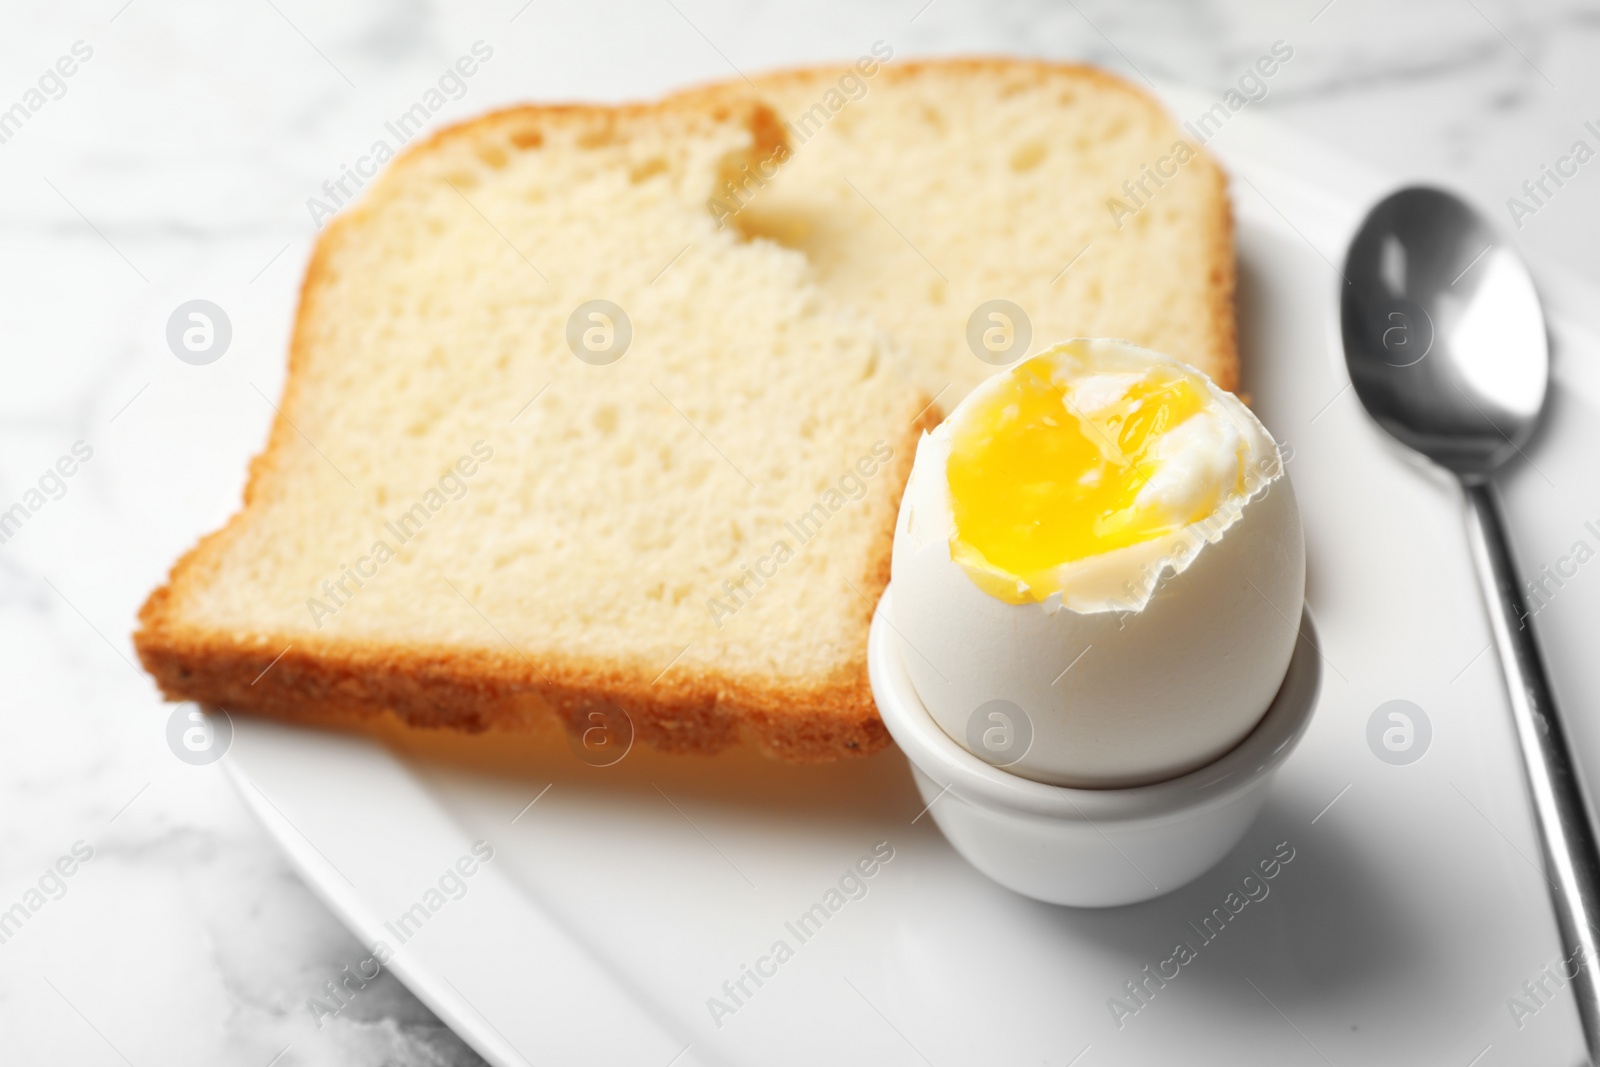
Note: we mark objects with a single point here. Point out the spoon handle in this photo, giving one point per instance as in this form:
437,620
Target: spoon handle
1572,861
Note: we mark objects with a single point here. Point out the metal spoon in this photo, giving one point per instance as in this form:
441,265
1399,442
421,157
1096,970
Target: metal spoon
1446,346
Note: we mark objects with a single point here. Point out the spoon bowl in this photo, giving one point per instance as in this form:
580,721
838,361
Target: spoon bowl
1443,334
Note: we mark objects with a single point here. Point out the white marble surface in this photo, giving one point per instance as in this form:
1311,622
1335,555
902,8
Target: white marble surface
177,164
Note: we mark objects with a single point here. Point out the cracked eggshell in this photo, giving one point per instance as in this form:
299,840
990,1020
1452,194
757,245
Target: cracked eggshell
1113,698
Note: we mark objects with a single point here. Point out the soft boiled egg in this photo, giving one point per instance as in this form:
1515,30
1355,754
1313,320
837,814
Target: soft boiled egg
1098,568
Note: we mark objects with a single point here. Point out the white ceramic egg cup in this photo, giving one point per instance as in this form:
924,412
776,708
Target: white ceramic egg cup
1089,847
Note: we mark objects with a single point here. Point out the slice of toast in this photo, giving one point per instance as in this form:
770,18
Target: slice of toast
487,498
922,190
695,533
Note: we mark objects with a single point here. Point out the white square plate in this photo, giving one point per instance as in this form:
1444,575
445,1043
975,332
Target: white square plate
618,916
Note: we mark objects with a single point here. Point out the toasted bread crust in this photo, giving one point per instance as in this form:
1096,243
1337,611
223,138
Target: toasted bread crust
315,680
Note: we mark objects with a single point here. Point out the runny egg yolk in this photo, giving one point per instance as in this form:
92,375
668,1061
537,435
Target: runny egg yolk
1036,482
